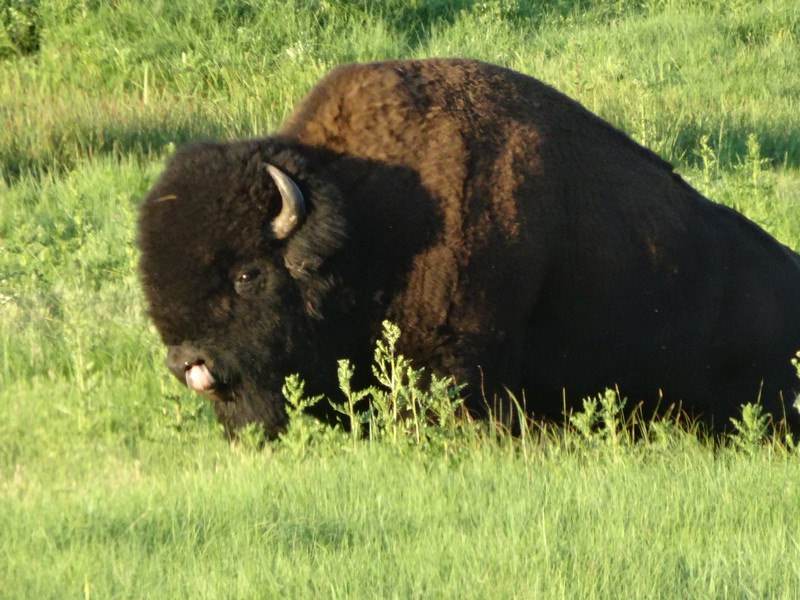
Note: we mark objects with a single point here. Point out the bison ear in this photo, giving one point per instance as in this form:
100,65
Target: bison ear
293,205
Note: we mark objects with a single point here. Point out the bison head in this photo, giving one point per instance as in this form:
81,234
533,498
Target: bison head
237,242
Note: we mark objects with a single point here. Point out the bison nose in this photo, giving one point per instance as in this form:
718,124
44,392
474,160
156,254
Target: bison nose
189,365
180,359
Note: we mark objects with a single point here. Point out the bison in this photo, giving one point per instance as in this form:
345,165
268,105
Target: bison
520,242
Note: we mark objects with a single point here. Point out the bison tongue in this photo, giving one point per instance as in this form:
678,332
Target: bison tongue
199,378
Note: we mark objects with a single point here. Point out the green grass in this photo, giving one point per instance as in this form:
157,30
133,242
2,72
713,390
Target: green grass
380,522
115,482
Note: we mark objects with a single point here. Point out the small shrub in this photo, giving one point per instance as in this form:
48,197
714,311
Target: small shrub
406,407
406,404
796,364
303,430
751,431
586,421
603,419
356,418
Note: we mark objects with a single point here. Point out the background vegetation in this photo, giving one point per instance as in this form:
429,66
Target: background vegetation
115,482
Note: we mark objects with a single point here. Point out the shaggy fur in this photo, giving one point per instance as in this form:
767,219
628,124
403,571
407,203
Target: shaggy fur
518,241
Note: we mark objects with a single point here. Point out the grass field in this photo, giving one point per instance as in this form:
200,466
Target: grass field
115,482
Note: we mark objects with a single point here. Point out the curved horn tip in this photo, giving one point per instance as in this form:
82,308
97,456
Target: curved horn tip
293,208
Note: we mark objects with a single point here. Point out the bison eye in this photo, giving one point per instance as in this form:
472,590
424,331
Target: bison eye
243,282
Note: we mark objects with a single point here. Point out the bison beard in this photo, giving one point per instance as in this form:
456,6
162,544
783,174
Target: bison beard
519,242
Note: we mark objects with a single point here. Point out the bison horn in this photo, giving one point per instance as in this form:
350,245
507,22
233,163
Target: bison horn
293,209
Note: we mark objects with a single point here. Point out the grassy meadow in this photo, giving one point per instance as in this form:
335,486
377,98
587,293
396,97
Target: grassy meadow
116,482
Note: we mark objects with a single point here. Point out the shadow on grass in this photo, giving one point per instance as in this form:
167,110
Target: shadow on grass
66,146
778,147
415,21
69,144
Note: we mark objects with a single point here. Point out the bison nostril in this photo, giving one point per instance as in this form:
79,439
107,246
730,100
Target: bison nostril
182,358
188,364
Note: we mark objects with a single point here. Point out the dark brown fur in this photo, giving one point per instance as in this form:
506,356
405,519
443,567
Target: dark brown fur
518,240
